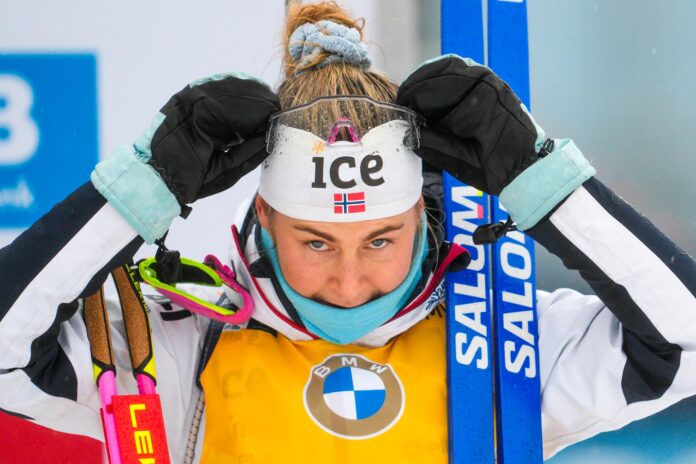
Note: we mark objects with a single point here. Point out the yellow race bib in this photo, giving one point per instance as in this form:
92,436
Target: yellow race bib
272,400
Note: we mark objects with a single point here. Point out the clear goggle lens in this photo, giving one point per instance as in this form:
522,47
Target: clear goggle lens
344,118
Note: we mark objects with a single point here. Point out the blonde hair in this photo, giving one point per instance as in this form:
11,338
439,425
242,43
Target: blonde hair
335,78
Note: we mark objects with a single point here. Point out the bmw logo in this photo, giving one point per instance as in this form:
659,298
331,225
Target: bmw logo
352,397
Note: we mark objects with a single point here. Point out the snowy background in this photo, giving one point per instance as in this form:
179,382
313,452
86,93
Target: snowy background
615,75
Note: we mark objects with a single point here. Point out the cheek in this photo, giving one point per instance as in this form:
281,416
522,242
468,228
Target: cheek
305,278
391,271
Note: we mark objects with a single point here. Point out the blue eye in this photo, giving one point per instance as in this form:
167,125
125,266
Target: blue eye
317,245
379,243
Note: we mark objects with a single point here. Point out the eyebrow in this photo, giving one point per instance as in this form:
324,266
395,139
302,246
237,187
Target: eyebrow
331,238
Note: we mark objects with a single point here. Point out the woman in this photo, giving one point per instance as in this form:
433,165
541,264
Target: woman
343,358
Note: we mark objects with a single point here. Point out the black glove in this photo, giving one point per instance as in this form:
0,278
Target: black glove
203,141
477,129
212,135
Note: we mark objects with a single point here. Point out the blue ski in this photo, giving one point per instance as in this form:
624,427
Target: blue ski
469,369
517,389
492,357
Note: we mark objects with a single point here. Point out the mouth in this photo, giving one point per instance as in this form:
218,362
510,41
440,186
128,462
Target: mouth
337,306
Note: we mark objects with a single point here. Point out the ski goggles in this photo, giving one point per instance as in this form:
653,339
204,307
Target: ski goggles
343,118
211,272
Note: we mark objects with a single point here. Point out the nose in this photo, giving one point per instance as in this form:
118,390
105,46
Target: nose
350,284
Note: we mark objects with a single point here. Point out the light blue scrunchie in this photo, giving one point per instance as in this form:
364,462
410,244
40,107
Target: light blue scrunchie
344,326
342,42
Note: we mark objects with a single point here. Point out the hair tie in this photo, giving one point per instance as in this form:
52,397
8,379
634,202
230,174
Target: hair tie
341,42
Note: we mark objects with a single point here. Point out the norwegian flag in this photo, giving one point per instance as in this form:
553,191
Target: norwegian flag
349,203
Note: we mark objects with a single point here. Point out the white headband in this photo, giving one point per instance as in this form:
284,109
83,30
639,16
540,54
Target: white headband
307,178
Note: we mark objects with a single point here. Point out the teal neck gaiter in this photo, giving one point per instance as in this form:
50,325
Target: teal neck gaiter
345,325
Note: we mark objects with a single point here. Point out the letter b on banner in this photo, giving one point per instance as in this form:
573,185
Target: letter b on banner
19,135
48,131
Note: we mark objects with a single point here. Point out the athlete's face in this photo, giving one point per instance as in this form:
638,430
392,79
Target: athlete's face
346,264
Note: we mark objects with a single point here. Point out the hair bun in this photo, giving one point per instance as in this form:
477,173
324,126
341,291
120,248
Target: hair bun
317,35
315,45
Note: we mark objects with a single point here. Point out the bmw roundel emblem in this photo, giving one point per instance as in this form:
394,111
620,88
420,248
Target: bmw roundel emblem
352,397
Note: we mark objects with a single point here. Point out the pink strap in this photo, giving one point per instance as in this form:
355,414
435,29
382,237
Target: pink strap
228,276
338,125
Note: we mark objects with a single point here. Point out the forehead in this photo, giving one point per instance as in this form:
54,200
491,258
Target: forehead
400,223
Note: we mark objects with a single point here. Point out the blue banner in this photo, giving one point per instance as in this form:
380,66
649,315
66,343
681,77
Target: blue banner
48,131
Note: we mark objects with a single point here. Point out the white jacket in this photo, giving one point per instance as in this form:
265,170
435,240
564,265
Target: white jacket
605,360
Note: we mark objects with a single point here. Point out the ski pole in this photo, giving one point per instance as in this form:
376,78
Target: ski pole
138,330
141,433
133,424
97,322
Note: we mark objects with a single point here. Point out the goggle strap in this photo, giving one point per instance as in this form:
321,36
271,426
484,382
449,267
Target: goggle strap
228,276
211,273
